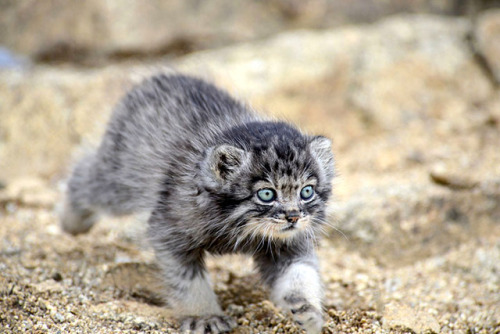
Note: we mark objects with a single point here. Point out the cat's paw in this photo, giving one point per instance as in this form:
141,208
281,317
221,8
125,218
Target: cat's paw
207,324
76,221
308,316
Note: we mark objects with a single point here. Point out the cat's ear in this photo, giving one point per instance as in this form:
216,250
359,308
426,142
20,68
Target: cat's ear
224,161
321,149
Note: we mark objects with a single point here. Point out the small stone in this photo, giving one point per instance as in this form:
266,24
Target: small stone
399,315
57,277
443,176
49,286
237,310
59,317
29,191
43,198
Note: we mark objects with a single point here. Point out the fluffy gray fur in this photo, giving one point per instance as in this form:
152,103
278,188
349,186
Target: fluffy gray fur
195,158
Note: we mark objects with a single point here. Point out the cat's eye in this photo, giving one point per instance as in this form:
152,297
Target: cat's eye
307,193
266,195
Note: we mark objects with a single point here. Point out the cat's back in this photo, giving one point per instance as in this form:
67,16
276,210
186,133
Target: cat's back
162,128
166,113
181,106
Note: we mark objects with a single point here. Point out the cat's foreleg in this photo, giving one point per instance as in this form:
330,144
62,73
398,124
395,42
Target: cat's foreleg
188,290
296,287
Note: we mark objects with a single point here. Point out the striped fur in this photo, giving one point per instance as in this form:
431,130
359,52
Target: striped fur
195,158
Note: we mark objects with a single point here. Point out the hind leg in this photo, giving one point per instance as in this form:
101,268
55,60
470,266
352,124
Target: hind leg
78,214
77,221
96,186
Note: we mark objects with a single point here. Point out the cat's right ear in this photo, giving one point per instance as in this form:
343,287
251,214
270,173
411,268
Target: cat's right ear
224,161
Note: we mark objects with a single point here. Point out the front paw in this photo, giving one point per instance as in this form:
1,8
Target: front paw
208,324
307,316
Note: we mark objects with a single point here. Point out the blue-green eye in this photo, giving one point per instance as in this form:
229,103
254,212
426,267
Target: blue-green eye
266,195
307,193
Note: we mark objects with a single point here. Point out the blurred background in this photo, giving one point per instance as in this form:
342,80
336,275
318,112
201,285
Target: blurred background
408,90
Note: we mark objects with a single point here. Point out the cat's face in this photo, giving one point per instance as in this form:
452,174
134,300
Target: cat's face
283,208
275,191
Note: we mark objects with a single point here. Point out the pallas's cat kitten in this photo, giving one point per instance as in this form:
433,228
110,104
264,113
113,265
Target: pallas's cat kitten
215,178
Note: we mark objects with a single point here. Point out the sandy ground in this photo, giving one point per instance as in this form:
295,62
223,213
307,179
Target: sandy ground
419,250
105,282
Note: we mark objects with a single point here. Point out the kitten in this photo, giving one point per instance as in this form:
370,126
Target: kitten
216,178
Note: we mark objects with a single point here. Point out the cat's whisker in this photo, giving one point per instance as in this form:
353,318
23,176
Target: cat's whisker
330,225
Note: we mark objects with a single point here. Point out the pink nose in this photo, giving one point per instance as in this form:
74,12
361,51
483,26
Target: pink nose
292,216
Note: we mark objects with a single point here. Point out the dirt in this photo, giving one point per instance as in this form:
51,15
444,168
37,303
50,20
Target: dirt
106,282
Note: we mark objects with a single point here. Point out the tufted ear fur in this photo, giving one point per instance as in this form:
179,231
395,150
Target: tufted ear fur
321,149
224,161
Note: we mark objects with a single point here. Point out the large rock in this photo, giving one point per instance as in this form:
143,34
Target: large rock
400,222
407,70
86,30
47,113
417,68
404,69
81,29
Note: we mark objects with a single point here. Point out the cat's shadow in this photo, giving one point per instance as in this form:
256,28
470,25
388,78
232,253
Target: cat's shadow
142,282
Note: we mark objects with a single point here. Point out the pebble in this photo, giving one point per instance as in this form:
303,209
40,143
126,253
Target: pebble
59,317
401,315
445,177
29,191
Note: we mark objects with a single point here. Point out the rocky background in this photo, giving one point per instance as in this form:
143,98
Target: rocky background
408,91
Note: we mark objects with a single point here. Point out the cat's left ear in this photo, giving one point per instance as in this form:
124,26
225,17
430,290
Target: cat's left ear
224,161
321,149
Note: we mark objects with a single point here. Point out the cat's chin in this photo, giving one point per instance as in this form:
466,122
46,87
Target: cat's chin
284,230
285,234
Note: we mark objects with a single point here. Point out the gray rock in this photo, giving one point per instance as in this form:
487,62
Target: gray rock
10,60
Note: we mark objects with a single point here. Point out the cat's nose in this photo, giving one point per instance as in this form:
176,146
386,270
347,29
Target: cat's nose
292,216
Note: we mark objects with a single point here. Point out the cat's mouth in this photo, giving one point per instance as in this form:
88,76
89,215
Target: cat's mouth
287,230
277,228
289,227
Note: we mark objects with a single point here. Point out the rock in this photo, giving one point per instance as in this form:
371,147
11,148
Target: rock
119,310
50,286
55,110
487,38
399,315
443,176
156,27
358,66
9,60
28,191
80,31
412,69
398,223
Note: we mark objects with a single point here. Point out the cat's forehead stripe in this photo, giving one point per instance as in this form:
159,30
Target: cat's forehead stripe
286,161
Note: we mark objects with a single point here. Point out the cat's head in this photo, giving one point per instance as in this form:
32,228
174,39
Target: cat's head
270,180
